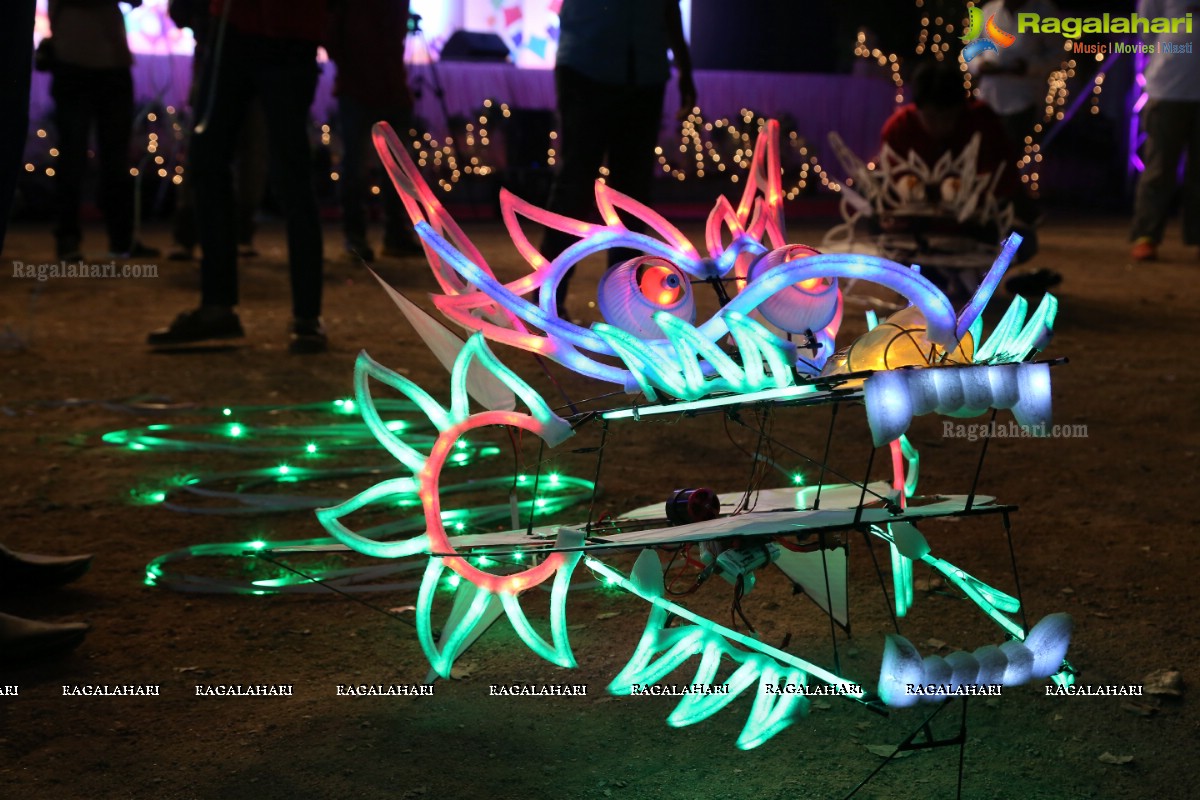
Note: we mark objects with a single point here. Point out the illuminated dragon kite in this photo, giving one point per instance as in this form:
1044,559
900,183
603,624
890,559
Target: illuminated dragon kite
772,343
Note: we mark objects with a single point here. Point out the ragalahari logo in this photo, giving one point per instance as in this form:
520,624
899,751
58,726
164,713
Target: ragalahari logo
980,38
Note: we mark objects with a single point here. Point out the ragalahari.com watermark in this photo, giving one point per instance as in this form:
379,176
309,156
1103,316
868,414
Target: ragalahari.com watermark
81,269
1011,430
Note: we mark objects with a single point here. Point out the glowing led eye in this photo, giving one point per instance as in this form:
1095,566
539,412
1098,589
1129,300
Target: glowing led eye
631,293
807,305
660,284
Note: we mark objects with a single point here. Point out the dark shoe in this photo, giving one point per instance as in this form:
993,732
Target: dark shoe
361,250
68,248
246,250
1033,282
182,253
138,250
24,640
307,337
207,323
20,572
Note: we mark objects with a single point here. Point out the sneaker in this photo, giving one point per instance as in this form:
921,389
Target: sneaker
1144,250
207,323
360,250
307,336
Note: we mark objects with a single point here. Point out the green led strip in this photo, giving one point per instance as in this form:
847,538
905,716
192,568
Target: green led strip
784,394
553,497
661,650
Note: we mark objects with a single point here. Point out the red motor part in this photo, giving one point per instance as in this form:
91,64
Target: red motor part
692,505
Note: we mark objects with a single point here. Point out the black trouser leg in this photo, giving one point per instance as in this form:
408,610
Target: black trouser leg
16,55
73,105
227,82
114,127
286,83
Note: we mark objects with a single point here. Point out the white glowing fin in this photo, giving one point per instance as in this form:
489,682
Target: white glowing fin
482,385
809,570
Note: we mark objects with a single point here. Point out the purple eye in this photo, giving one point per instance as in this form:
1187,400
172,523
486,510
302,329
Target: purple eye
631,293
807,305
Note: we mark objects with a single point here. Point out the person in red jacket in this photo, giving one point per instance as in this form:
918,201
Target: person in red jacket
942,119
265,49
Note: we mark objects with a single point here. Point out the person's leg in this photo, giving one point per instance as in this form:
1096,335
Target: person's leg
355,121
1191,178
251,171
72,92
183,227
632,137
185,230
214,141
16,55
1166,128
632,129
114,121
286,85
581,151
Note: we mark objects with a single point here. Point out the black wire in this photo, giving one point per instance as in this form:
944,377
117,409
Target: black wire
589,400
570,403
334,589
739,590
537,477
824,467
516,448
596,478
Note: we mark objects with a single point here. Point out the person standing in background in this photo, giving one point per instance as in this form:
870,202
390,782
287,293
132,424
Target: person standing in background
93,85
1171,120
16,60
266,49
1012,80
251,181
610,77
366,42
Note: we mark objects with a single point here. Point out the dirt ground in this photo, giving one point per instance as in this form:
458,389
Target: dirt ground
1106,531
